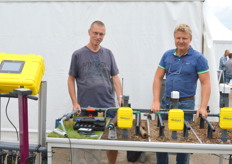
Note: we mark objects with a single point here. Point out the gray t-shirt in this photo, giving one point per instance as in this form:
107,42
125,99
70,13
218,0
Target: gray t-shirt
228,67
93,72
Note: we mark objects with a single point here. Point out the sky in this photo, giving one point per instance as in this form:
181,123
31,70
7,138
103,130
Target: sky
222,10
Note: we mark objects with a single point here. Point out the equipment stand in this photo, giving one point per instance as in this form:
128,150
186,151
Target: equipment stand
175,101
125,104
42,159
174,135
23,123
23,128
224,95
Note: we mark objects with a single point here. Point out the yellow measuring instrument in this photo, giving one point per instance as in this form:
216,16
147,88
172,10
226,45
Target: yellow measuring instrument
20,71
225,121
125,117
175,119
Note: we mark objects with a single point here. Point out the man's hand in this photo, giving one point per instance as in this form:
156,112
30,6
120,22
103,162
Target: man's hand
120,101
77,107
155,107
203,112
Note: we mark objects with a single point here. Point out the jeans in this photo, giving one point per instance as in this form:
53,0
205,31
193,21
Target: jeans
228,77
181,158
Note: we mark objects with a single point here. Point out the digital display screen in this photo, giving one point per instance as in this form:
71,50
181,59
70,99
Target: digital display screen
10,66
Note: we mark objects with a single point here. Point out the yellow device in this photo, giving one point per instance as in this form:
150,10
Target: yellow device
175,119
20,71
125,118
225,118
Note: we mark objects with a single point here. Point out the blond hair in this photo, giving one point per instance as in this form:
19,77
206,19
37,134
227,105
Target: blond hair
227,51
183,28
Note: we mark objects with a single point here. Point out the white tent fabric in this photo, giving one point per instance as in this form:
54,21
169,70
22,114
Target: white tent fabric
216,28
209,52
221,36
217,39
138,33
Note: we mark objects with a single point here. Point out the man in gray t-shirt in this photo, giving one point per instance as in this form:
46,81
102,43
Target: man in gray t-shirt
228,69
95,72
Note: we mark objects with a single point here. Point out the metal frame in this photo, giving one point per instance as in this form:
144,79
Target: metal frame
42,110
137,146
101,0
41,146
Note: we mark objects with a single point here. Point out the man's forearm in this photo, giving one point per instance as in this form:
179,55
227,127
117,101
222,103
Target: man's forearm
156,89
72,90
117,85
205,95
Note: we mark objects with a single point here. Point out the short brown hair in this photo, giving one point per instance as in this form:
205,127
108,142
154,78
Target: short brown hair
183,28
99,23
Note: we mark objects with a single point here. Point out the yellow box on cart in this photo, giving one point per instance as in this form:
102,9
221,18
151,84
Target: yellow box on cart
125,118
20,71
225,121
175,119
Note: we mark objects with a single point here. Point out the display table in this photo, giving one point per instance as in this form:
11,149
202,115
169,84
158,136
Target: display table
136,146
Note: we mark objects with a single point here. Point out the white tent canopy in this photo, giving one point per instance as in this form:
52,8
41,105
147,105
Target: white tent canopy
138,33
217,40
218,31
221,36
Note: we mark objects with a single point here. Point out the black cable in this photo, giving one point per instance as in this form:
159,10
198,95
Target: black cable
70,148
10,121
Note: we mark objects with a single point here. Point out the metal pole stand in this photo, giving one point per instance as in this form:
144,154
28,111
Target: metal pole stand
175,100
224,93
125,104
42,109
23,122
31,158
225,90
160,124
2,156
126,101
186,129
174,135
224,102
224,136
11,157
137,119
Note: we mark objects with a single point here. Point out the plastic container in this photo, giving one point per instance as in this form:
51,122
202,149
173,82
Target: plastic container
225,121
20,71
176,119
125,118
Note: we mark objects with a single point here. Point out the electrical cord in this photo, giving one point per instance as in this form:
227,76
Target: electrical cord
10,120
